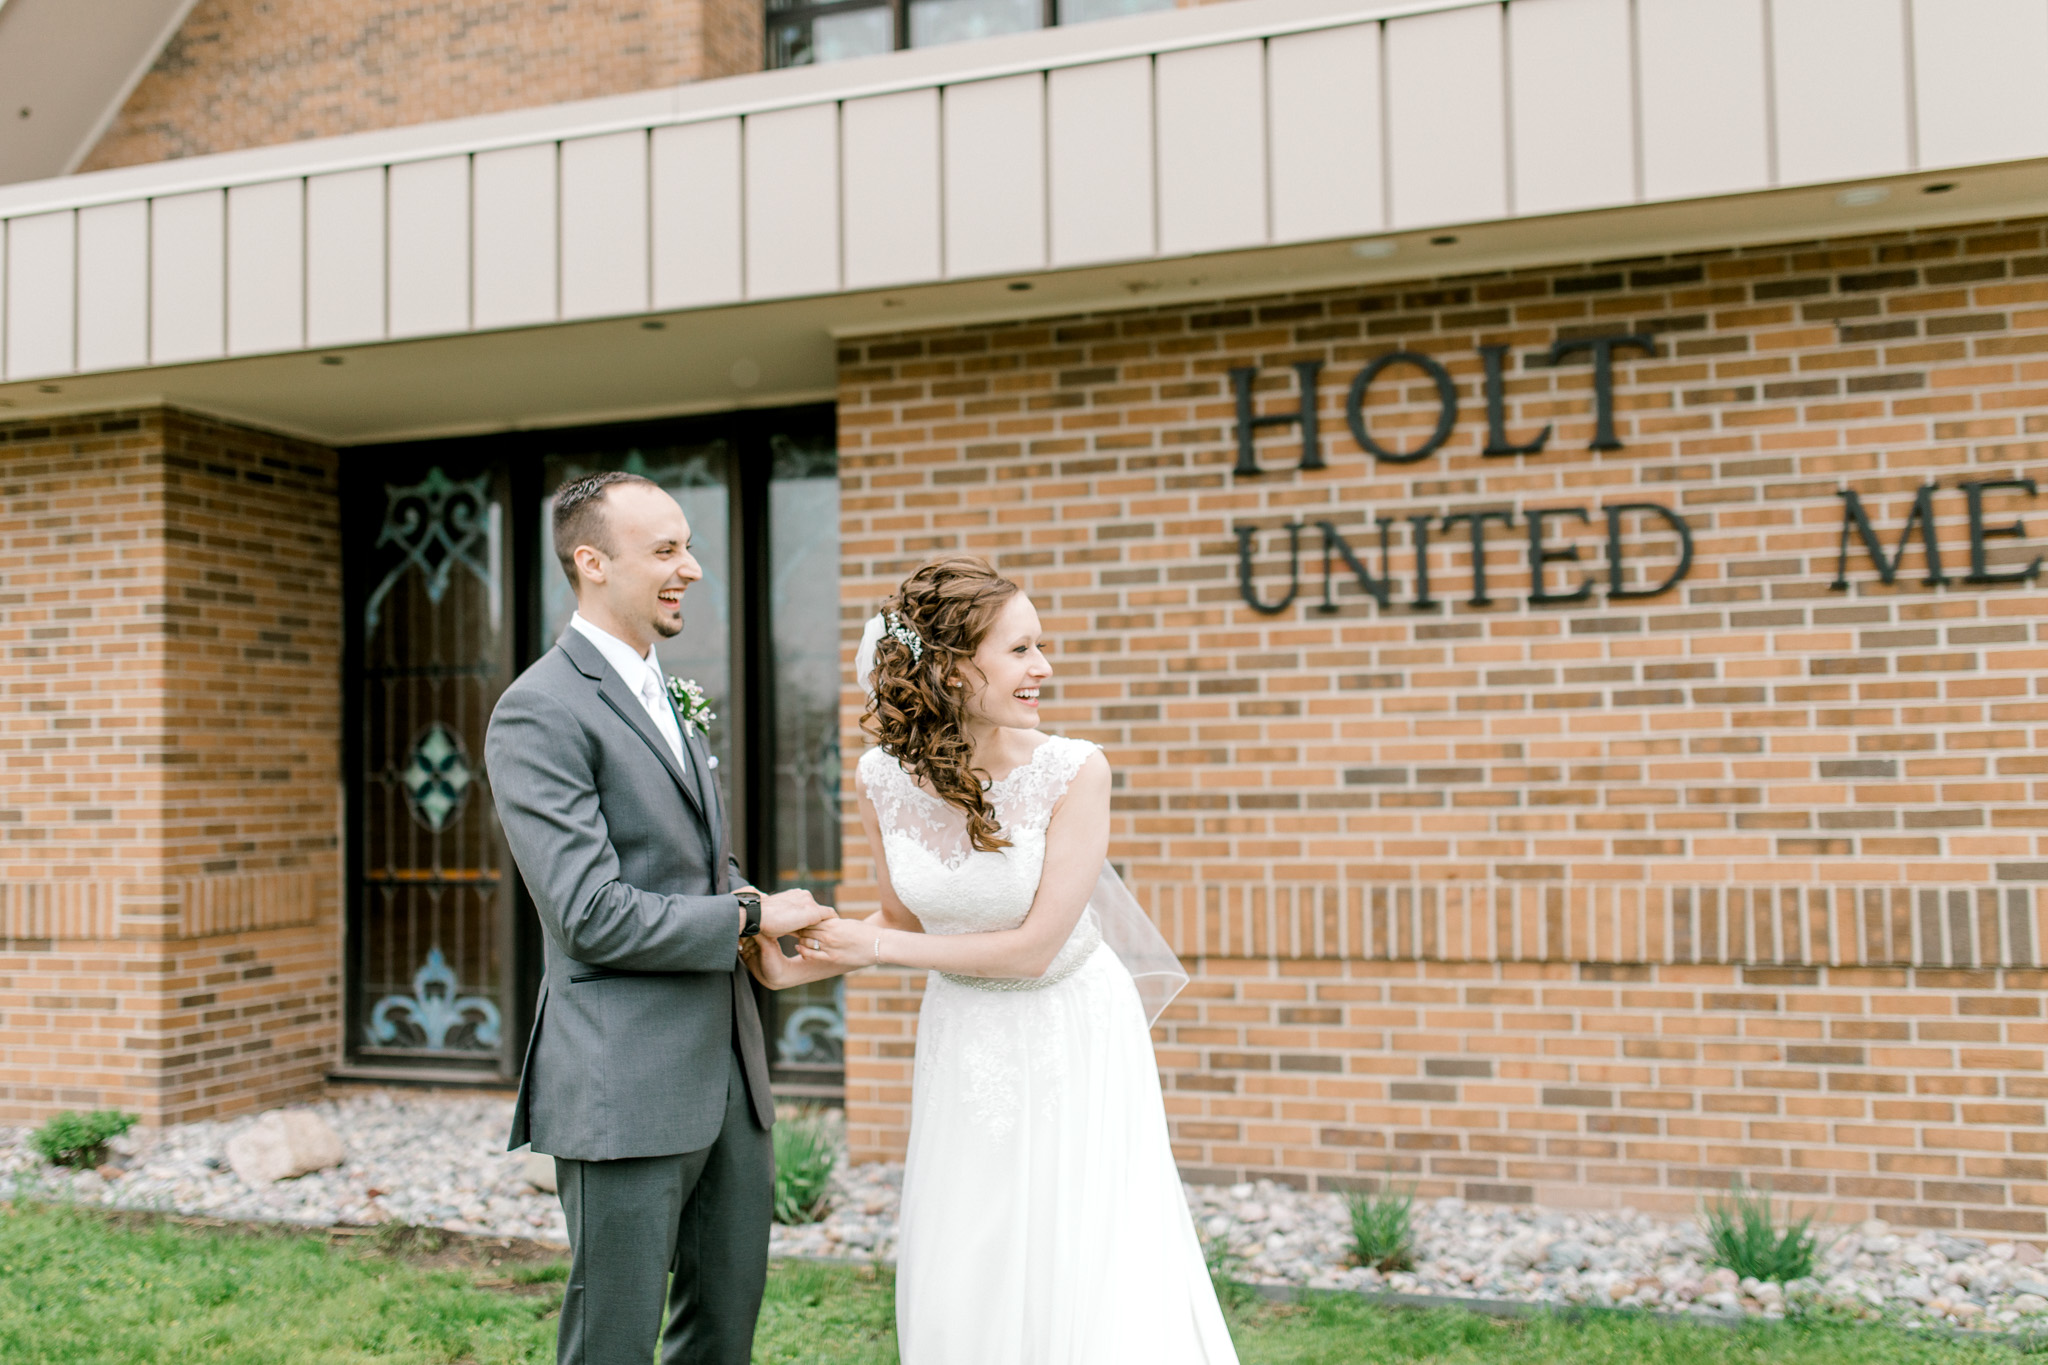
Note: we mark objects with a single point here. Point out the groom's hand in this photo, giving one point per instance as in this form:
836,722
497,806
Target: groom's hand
785,912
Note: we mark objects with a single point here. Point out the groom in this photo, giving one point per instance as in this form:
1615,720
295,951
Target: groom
647,1075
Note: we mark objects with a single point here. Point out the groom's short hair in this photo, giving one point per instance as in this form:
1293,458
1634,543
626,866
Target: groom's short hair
579,517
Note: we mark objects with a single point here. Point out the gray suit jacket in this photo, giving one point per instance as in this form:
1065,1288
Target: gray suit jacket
631,871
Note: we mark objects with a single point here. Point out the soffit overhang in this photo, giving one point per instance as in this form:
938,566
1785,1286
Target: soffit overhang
700,248
66,68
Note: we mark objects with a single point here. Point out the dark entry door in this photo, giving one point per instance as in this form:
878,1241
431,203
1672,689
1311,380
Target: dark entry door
453,589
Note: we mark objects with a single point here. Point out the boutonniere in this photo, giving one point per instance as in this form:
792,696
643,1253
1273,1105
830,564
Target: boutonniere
691,705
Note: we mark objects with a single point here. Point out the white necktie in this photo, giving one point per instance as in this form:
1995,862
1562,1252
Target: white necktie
664,718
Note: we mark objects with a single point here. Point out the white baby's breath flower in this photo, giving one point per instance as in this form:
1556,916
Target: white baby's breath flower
692,705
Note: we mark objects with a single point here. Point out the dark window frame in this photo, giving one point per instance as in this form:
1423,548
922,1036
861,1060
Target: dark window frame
899,11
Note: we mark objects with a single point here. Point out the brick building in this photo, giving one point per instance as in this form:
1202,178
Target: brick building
1538,501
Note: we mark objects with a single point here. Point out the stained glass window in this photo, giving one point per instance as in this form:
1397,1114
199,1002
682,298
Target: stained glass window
430,960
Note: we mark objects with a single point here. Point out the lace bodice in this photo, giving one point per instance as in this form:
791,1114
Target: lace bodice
944,881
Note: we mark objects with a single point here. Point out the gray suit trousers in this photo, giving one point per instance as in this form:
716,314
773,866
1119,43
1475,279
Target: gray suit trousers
708,1211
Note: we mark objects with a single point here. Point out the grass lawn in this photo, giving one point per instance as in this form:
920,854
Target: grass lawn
86,1288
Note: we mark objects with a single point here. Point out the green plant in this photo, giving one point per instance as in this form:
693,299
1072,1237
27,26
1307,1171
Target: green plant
74,1139
806,1151
1382,1227
1233,1294
1743,1235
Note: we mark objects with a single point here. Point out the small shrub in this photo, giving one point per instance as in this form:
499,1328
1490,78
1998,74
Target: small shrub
806,1151
1743,1235
74,1139
1382,1228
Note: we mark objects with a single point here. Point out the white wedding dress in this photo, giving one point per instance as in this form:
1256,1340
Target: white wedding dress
1043,1221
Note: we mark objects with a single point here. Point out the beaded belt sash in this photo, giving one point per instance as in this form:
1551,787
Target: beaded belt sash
1087,937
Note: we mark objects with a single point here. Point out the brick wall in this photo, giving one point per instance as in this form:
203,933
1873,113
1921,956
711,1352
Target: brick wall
1592,902
252,73
170,790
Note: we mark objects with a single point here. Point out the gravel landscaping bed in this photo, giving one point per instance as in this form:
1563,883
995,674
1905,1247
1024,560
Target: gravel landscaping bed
436,1160
431,1160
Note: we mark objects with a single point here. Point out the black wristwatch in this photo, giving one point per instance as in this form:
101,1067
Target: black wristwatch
750,901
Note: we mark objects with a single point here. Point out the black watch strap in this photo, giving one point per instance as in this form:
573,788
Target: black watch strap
750,901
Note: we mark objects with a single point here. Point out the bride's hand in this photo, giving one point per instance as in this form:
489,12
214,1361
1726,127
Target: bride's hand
844,942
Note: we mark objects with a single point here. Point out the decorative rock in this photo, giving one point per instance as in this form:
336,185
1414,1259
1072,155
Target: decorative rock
538,1170
1567,1255
1924,1257
284,1143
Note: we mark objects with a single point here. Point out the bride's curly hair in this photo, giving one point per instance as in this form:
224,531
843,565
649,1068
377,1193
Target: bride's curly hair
915,712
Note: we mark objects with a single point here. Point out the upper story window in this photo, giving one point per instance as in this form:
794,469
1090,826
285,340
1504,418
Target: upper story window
804,31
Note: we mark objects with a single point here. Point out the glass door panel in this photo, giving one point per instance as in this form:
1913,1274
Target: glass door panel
808,1023
430,962
698,476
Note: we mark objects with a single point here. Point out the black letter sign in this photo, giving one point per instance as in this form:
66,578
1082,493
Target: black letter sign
1979,571
1244,569
1614,565
1248,424
1447,409
1478,521
1922,515
1603,349
1418,530
1497,442
1539,556
1333,541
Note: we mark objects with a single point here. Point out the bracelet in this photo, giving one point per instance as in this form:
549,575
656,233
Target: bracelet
878,950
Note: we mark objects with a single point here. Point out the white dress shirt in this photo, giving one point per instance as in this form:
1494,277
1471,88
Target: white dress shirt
642,674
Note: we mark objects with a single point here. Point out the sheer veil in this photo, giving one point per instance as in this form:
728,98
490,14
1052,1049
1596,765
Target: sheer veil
1126,928
1131,935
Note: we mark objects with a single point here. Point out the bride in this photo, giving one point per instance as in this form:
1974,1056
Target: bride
1043,1221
